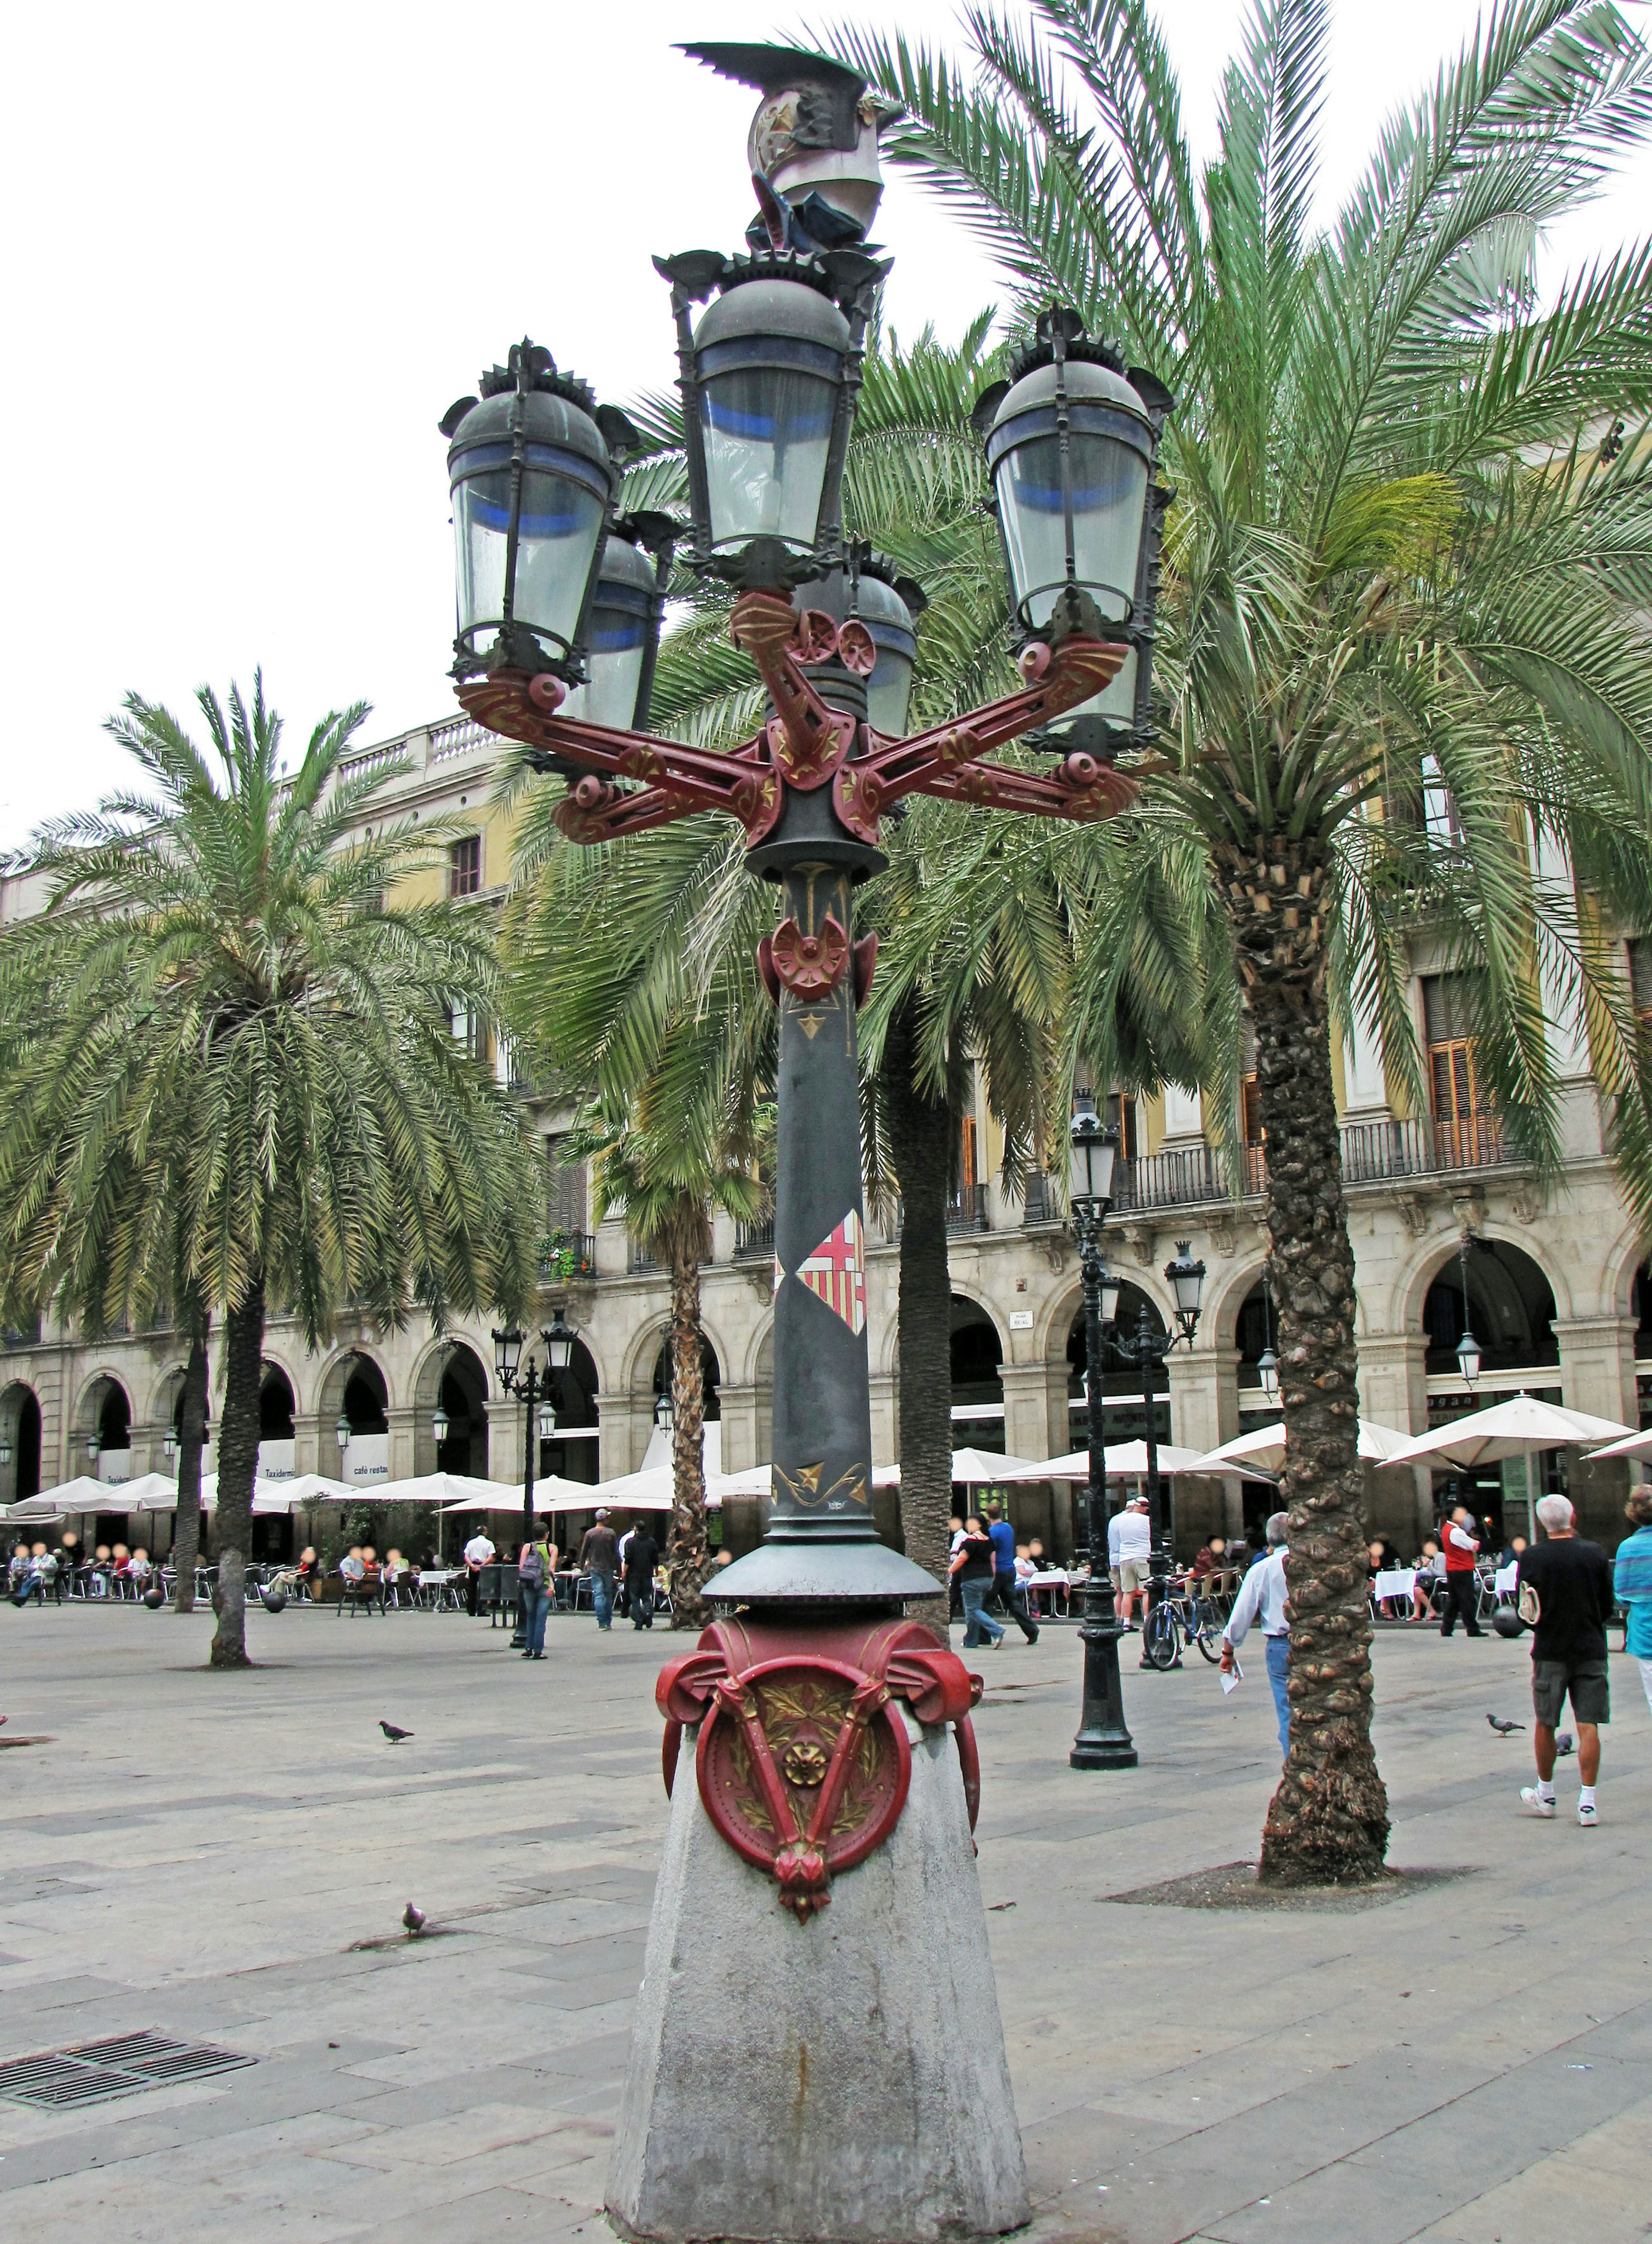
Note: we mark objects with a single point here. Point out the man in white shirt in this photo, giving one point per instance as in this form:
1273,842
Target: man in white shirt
1135,1550
478,1553
1262,1596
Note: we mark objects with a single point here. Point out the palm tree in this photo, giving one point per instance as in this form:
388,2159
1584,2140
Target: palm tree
1402,654
230,1077
669,1165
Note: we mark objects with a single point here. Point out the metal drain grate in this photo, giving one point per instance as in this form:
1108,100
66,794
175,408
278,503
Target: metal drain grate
94,2071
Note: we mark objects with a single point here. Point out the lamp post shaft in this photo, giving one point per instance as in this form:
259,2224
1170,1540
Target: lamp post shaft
1151,1358
529,1450
1103,1740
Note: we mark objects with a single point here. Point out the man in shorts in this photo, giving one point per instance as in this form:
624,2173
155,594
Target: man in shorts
1573,1580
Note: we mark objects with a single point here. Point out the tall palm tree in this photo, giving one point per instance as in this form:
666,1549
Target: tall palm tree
670,1156
230,1075
1403,638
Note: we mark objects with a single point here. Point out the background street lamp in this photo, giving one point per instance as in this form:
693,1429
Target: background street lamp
1467,1347
531,1381
1103,1740
1147,1350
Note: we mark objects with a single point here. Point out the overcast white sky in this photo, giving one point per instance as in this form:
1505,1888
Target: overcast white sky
252,254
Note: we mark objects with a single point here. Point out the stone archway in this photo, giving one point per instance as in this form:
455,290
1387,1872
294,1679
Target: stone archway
21,1425
976,1350
1510,1305
451,1378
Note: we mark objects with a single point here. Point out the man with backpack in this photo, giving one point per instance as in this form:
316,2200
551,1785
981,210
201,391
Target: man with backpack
536,1570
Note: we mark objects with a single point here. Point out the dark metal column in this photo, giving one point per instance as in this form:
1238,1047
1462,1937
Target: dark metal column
1103,1740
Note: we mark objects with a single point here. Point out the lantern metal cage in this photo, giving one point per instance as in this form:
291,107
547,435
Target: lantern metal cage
535,468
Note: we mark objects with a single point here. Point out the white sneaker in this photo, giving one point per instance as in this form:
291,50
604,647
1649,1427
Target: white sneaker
1532,1798
1587,1815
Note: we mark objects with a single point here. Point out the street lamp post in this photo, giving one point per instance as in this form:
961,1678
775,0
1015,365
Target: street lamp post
1103,1740
1147,1349
531,1381
773,1801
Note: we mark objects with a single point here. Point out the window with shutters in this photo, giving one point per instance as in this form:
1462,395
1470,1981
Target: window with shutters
1640,951
1464,1132
1121,1116
966,1155
464,866
1440,821
467,1030
566,1191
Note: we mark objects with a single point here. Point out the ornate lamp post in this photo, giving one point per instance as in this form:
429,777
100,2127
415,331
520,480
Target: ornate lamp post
531,1381
1147,1350
818,1718
1103,1740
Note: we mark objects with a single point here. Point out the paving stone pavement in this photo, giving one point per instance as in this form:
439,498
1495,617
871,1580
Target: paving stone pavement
226,1858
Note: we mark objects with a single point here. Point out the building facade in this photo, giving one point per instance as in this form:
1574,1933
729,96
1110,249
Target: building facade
1557,1289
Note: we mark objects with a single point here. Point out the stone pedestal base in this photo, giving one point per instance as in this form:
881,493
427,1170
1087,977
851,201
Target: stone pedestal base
841,2081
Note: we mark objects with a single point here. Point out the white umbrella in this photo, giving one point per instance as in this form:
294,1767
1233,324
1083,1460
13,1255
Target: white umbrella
984,1468
1262,1448
81,1494
758,1480
1125,1461
1518,1428
1632,1445
1514,1428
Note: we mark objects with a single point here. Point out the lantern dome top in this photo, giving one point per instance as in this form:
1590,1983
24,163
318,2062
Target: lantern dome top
623,563
1093,382
878,594
556,409
838,274
793,307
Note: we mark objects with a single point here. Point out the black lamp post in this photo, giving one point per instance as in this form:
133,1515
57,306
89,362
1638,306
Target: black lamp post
531,1381
1147,1350
1103,1740
769,372
1467,1347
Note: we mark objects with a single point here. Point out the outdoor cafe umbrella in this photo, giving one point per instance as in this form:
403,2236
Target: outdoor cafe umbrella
1263,1449
1125,1461
985,1467
81,1494
1632,1445
1521,1427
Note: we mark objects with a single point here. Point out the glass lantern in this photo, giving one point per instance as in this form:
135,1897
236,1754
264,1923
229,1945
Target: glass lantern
869,589
621,638
1093,1150
507,1355
535,477
1186,1278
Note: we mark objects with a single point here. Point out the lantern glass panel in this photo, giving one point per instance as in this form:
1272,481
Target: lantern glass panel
1116,702
562,503
617,639
1111,1289
767,431
1109,497
889,691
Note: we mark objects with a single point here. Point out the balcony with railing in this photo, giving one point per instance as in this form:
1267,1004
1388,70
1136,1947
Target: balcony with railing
1373,1153
754,1242
967,1209
565,1255
1040,1204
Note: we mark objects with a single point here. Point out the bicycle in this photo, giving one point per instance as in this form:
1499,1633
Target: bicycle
1181,1617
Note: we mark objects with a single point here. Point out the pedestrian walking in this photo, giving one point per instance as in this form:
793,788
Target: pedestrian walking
642,1556
1005,1585
1632,1579
1569,1582
972,1570
599,1557
536,1572
1261,1599
1461,1547
478,1553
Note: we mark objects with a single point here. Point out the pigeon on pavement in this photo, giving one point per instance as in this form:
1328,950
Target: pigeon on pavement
1564,1743
413,1918
395,1735
1503,1728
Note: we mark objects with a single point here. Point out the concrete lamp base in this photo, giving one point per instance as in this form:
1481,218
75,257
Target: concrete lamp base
839,2081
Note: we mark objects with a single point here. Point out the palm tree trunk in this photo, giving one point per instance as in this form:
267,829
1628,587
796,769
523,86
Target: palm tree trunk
237,1466
1328,1822
191,1439
921,1146
688,1557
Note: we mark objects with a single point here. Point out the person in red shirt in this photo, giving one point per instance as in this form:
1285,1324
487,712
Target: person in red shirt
1462,1548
